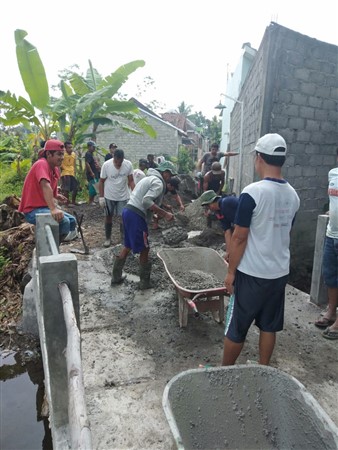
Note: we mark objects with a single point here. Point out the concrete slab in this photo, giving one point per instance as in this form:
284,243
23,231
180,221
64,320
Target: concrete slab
121,361
116,415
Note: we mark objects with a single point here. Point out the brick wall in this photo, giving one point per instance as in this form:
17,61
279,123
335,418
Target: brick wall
292,89
137,146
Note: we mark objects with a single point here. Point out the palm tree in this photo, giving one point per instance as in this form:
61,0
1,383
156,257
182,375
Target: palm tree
184,109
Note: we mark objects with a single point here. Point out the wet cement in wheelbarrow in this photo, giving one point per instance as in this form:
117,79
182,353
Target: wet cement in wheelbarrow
246,407
196,280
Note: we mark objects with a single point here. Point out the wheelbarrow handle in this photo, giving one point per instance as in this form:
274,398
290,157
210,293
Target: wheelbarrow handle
192,303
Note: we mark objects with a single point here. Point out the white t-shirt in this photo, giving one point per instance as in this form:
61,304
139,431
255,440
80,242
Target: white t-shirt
116,180
332,227
138,175
267,254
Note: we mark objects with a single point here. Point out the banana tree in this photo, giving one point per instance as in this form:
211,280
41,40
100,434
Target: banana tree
88,103
17,110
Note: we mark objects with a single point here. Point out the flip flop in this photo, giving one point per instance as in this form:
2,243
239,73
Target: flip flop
323,322
330,334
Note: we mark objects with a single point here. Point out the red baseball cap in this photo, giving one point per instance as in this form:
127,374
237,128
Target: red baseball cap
53,145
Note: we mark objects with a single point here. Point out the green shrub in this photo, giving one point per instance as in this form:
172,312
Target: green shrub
184,160
12,177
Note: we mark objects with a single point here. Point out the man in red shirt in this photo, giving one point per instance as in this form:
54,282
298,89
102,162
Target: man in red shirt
40,190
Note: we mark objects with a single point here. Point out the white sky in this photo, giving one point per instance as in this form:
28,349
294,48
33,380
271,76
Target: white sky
189,46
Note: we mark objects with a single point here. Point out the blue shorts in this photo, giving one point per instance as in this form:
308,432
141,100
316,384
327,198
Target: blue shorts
255,299
330,262
135,231
67,224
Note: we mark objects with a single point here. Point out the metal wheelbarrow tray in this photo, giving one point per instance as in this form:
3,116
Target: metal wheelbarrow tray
245,407
206,264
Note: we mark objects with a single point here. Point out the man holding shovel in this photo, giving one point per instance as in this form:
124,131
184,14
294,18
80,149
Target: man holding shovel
144,201
172,188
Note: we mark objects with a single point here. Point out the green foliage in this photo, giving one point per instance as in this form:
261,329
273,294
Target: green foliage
184,160
11,180
7,157
184,109
15,160
199,120
215,130
210,129
86,103
4,260
32,71
91,101
13,143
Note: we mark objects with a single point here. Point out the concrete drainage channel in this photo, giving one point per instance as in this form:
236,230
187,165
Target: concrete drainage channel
245,407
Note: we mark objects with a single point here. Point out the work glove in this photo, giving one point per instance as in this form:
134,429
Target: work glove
102,202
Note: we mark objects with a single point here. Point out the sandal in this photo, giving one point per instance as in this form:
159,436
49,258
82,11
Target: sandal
323,322
330,334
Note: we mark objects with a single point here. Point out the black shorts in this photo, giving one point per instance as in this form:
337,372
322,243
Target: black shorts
255,299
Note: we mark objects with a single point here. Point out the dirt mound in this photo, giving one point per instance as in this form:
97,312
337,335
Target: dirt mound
17,245
18,242
210,237
9,214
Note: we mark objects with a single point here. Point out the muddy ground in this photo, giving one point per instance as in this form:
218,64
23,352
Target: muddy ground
145,343
146,323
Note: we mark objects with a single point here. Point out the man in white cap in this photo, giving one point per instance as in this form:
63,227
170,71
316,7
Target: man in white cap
259,255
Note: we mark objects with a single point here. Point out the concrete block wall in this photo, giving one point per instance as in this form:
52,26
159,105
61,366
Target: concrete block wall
305,112
292,89
137,146
252,96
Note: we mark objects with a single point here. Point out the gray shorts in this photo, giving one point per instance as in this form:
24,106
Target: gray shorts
114,207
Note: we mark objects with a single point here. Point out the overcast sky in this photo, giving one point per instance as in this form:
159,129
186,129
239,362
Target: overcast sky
188,46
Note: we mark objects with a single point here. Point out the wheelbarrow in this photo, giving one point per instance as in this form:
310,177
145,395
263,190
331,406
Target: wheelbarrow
245,407
209,267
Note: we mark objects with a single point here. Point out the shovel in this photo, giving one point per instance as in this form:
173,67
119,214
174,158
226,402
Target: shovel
86,248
